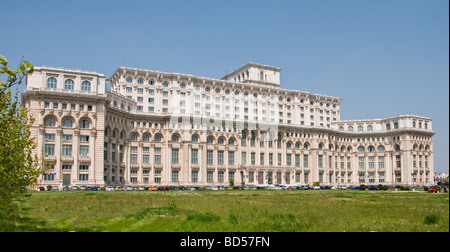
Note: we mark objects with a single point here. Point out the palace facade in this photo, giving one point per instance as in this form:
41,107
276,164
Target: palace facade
159,128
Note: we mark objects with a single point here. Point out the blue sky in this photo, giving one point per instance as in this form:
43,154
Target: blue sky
383,57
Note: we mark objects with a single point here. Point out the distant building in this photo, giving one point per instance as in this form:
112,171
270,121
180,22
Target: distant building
440,176
160,128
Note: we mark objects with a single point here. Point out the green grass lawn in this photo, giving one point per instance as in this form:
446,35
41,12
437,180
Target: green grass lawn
250,211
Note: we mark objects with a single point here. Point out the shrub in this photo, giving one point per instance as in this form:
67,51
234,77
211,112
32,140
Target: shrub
431,219
362,187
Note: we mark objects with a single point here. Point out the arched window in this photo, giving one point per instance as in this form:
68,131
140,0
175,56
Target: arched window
51,82
397,147
220,140
50,122
305,146
68,84
158,138
396,125
146,138
67,123
360,149
388,126
371,149
134,137
350,128
231,141
360,128
86,86
129,80
84,124
369,128
140,81
165,84
209,140
175,138
288,145
261,75
341,128
380,148
194,139
320,146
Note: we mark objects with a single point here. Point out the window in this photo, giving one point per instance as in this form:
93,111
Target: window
145,159
209,140
361,162
360,128
86,86
49,137
220,157
68,84
381,162
67,123
67,150
50,122
220,176
157,159
84,150
134,137
51,82
83,177
194,156
133,158
209,176
194,139
350,128
174,156
84,138
67,167
370,128
230,157
305,161
158,138
84,124
49,149
175,138
209,157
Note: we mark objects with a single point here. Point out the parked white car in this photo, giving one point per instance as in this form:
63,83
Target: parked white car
109,189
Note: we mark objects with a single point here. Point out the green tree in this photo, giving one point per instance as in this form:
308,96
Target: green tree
18,166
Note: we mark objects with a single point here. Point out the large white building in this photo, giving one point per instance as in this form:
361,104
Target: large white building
159,128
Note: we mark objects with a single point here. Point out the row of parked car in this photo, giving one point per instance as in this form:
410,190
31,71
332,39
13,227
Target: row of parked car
69,188
199,188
